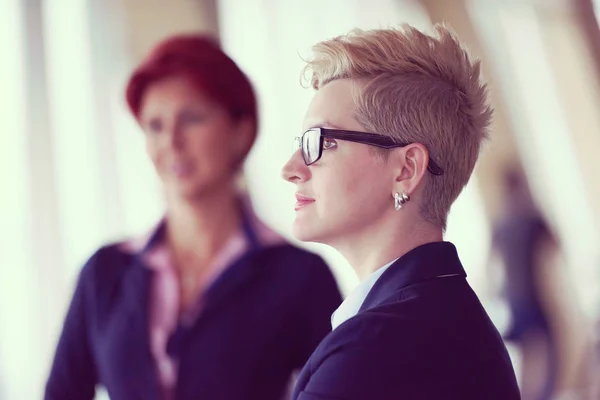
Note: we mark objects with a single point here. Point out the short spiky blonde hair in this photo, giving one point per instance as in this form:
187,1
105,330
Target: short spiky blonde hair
418,89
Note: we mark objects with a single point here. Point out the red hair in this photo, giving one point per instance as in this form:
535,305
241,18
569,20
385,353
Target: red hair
200,59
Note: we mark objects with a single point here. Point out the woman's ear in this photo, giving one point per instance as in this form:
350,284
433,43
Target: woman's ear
412,161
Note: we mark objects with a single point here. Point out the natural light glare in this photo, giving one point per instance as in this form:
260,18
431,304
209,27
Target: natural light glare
74,128
142,197
596,5
469,230
19,325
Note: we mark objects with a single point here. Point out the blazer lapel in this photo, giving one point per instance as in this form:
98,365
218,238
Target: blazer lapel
302,380
230,282
141,371
429,261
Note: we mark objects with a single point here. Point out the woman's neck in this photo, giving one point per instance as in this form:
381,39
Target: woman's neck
374,247
197,229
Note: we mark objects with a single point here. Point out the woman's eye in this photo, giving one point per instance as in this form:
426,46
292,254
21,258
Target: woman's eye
329,144
154,127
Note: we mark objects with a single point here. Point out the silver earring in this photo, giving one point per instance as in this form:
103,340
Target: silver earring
400,200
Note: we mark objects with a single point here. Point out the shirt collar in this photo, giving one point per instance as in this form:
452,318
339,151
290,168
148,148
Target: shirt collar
350,306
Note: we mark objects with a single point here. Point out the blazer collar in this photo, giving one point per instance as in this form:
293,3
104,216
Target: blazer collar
428,261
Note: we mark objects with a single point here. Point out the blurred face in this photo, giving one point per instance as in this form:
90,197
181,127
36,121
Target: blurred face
348,190
192,141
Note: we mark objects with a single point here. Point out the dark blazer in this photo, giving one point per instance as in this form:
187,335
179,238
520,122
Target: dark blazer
421,334
261,320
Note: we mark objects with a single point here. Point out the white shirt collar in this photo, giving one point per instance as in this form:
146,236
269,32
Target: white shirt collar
350,306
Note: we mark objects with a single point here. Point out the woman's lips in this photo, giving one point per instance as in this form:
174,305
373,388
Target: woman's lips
302,201
181,169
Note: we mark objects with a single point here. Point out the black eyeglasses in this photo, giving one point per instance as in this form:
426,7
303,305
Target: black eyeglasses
311,143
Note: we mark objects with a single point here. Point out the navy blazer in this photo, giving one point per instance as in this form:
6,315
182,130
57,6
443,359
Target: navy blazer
261,320
421,334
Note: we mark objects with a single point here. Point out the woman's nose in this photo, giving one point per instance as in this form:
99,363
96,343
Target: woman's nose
176,138
295,170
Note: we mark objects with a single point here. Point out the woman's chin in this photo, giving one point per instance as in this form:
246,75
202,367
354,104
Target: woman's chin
305,233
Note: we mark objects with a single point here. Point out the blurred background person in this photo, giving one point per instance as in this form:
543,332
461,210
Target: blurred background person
212,304
528,250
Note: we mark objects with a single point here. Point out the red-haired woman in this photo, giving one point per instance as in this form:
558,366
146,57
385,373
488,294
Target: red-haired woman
212,304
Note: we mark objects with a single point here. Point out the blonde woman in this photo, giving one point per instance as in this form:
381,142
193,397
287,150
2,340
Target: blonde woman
390,139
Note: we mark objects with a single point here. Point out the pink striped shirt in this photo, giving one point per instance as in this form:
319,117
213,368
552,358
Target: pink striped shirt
164,297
